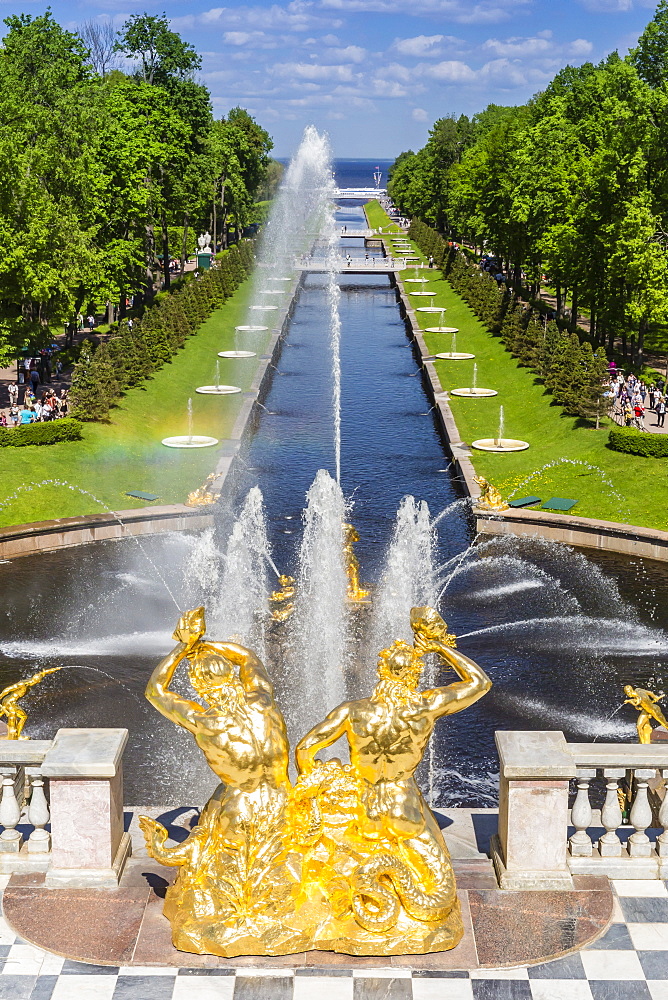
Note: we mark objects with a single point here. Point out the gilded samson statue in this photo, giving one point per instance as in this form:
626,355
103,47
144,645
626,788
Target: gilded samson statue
351,858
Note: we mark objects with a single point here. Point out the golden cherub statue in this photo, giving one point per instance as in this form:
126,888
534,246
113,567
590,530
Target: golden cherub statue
351,858
355,591
490,498
283,598
646,703
204,494
9,704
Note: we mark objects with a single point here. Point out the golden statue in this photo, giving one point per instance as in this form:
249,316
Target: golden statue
204,494
10,708
351,858
355,591
283,598
490,499
646,703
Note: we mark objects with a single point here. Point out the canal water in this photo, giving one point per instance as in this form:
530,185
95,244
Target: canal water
559,632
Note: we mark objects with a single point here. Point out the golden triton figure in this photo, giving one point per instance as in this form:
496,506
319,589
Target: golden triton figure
283,598
355,591
349,860
490,499
646,703
10,708
204,494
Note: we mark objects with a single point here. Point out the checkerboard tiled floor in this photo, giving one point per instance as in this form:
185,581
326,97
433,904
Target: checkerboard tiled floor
629,963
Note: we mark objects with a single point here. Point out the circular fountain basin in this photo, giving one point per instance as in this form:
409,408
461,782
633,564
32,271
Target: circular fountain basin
186,441
454,356
429,309
500,444
417,281
217,390
412,292
279,279
263,308
236,354
442,329
251,329
272,291
474,393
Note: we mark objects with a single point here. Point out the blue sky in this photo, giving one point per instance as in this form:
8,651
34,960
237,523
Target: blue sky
376,73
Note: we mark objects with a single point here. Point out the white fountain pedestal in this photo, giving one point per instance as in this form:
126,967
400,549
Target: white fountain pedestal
263,308
236,354
217,390
429,309
411,291
251,329
454,356
442,329
500,444
474,393
192,441
417,281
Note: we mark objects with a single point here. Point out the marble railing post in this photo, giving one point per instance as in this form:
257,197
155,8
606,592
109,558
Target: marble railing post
530,850
88,843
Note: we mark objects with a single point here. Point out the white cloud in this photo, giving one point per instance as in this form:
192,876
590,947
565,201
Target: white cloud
349,54
579,47
419,115
517,47
420,45
256,39
608,6
295,16
448,71
310,71
485,11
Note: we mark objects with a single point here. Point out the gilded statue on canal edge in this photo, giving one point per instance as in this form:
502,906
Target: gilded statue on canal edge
646,704
349,858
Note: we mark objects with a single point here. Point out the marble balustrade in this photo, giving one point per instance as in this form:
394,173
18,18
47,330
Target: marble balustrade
616,824
72,785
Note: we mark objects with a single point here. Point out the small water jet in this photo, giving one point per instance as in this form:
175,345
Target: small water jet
500,443
453,354
217,388
190,440
473,391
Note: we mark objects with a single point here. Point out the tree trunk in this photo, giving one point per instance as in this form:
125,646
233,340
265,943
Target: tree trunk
559,301
223,210
184,244
642,330
150,259
574,309
215,223
165,254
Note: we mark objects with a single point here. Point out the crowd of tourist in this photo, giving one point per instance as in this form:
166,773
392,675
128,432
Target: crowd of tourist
33,407
631,399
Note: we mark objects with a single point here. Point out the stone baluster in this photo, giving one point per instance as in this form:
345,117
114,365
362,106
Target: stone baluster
10,814
662,840
640,845
39,841
610,846
581,815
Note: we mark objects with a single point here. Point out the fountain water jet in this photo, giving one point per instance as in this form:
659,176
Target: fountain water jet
499,443
190,440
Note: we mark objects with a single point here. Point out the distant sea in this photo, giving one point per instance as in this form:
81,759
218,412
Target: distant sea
357,173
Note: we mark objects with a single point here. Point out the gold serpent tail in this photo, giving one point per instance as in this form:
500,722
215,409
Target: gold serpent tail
368,887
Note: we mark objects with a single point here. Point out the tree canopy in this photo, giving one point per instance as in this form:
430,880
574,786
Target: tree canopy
112,160
572,186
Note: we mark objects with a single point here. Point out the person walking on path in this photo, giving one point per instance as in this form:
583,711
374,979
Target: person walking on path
660,412
13,390
91,323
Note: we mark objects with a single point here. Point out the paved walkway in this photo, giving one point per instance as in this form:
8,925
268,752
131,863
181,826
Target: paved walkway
630,962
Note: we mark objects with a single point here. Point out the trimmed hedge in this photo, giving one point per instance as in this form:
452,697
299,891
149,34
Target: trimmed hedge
569,368
50,432
101,377
635,442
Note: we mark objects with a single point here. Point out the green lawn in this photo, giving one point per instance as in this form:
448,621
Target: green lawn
126,453
607,484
